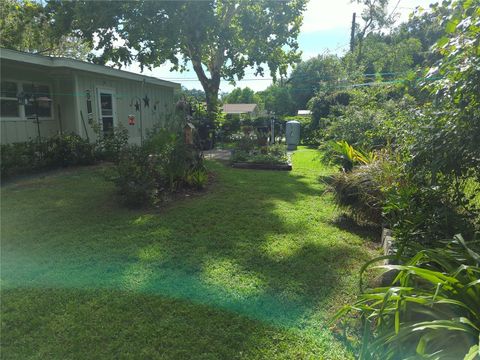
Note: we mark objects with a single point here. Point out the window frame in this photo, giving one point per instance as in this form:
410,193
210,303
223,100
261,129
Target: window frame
21,111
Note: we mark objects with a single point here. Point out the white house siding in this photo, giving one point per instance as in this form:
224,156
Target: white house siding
68,81
21,128
127,92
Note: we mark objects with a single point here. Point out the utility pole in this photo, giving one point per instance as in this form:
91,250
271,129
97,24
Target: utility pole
352,33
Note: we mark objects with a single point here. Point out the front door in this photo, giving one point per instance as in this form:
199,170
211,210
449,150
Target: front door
107,110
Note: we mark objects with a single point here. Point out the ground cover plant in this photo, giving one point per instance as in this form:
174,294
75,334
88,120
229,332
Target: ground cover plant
250,148
430,310
254,268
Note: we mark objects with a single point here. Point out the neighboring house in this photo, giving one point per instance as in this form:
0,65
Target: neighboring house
304,112
72,96
241,109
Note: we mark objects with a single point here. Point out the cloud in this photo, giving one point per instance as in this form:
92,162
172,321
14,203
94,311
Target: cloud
322,15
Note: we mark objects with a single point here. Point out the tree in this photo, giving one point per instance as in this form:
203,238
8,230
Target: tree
375,17
25,26
220,38
321,72
243,96
197,94
277,99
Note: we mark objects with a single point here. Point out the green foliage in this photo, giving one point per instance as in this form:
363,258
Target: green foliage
278,100
347,156
359,192
149,174
26,26
110,146
197,178
68,150
134,177
323,106
57,151
319,73
246,143
431,308
224,37
243,96
247,150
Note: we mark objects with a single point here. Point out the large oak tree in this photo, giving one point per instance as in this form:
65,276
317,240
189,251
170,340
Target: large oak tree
220,38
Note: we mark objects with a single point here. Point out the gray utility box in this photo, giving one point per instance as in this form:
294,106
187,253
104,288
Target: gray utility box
293,134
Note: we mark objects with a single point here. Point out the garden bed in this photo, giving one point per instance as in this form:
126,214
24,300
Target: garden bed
248,155
259,166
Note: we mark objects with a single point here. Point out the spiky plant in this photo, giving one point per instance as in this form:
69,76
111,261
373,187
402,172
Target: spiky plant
431,310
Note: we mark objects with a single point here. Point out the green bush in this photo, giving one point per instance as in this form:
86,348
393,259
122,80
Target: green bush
344,154
431,310
197,178
135,177
68,150
359,192
57,151
148,174
110,146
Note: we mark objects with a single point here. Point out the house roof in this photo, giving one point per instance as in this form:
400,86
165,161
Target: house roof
304,112
239,108
59,62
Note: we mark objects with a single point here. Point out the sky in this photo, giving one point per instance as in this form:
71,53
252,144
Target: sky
325,29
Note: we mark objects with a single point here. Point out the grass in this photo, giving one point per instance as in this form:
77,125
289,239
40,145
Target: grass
252,269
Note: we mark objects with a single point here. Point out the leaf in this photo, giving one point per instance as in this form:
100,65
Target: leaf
451,25
473,353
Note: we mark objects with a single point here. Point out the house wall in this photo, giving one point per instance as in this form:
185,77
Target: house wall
127,93
68,91
20,128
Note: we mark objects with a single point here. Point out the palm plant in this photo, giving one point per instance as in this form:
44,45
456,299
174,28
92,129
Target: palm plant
349,156
431,310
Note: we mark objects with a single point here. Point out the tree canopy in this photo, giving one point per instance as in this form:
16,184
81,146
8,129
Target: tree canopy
220,38
26,26
311,75
243,96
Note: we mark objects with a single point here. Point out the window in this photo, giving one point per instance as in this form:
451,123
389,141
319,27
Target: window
34,98
8,99
43,102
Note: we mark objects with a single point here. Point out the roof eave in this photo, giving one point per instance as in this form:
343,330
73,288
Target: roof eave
51,62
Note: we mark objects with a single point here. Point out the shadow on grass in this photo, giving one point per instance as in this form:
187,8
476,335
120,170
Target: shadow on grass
260,244
87,324
365,231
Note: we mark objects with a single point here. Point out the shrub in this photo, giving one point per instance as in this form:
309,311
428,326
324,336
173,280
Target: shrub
359,192
110,146
344,154
135,177
68,150
197,178
430,310
246,143
148,174
58,151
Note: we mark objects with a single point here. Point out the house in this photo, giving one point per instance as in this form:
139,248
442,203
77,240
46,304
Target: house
241,109
43,96
304,112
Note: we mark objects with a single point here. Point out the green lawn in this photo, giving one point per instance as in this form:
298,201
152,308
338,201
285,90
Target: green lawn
251,269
